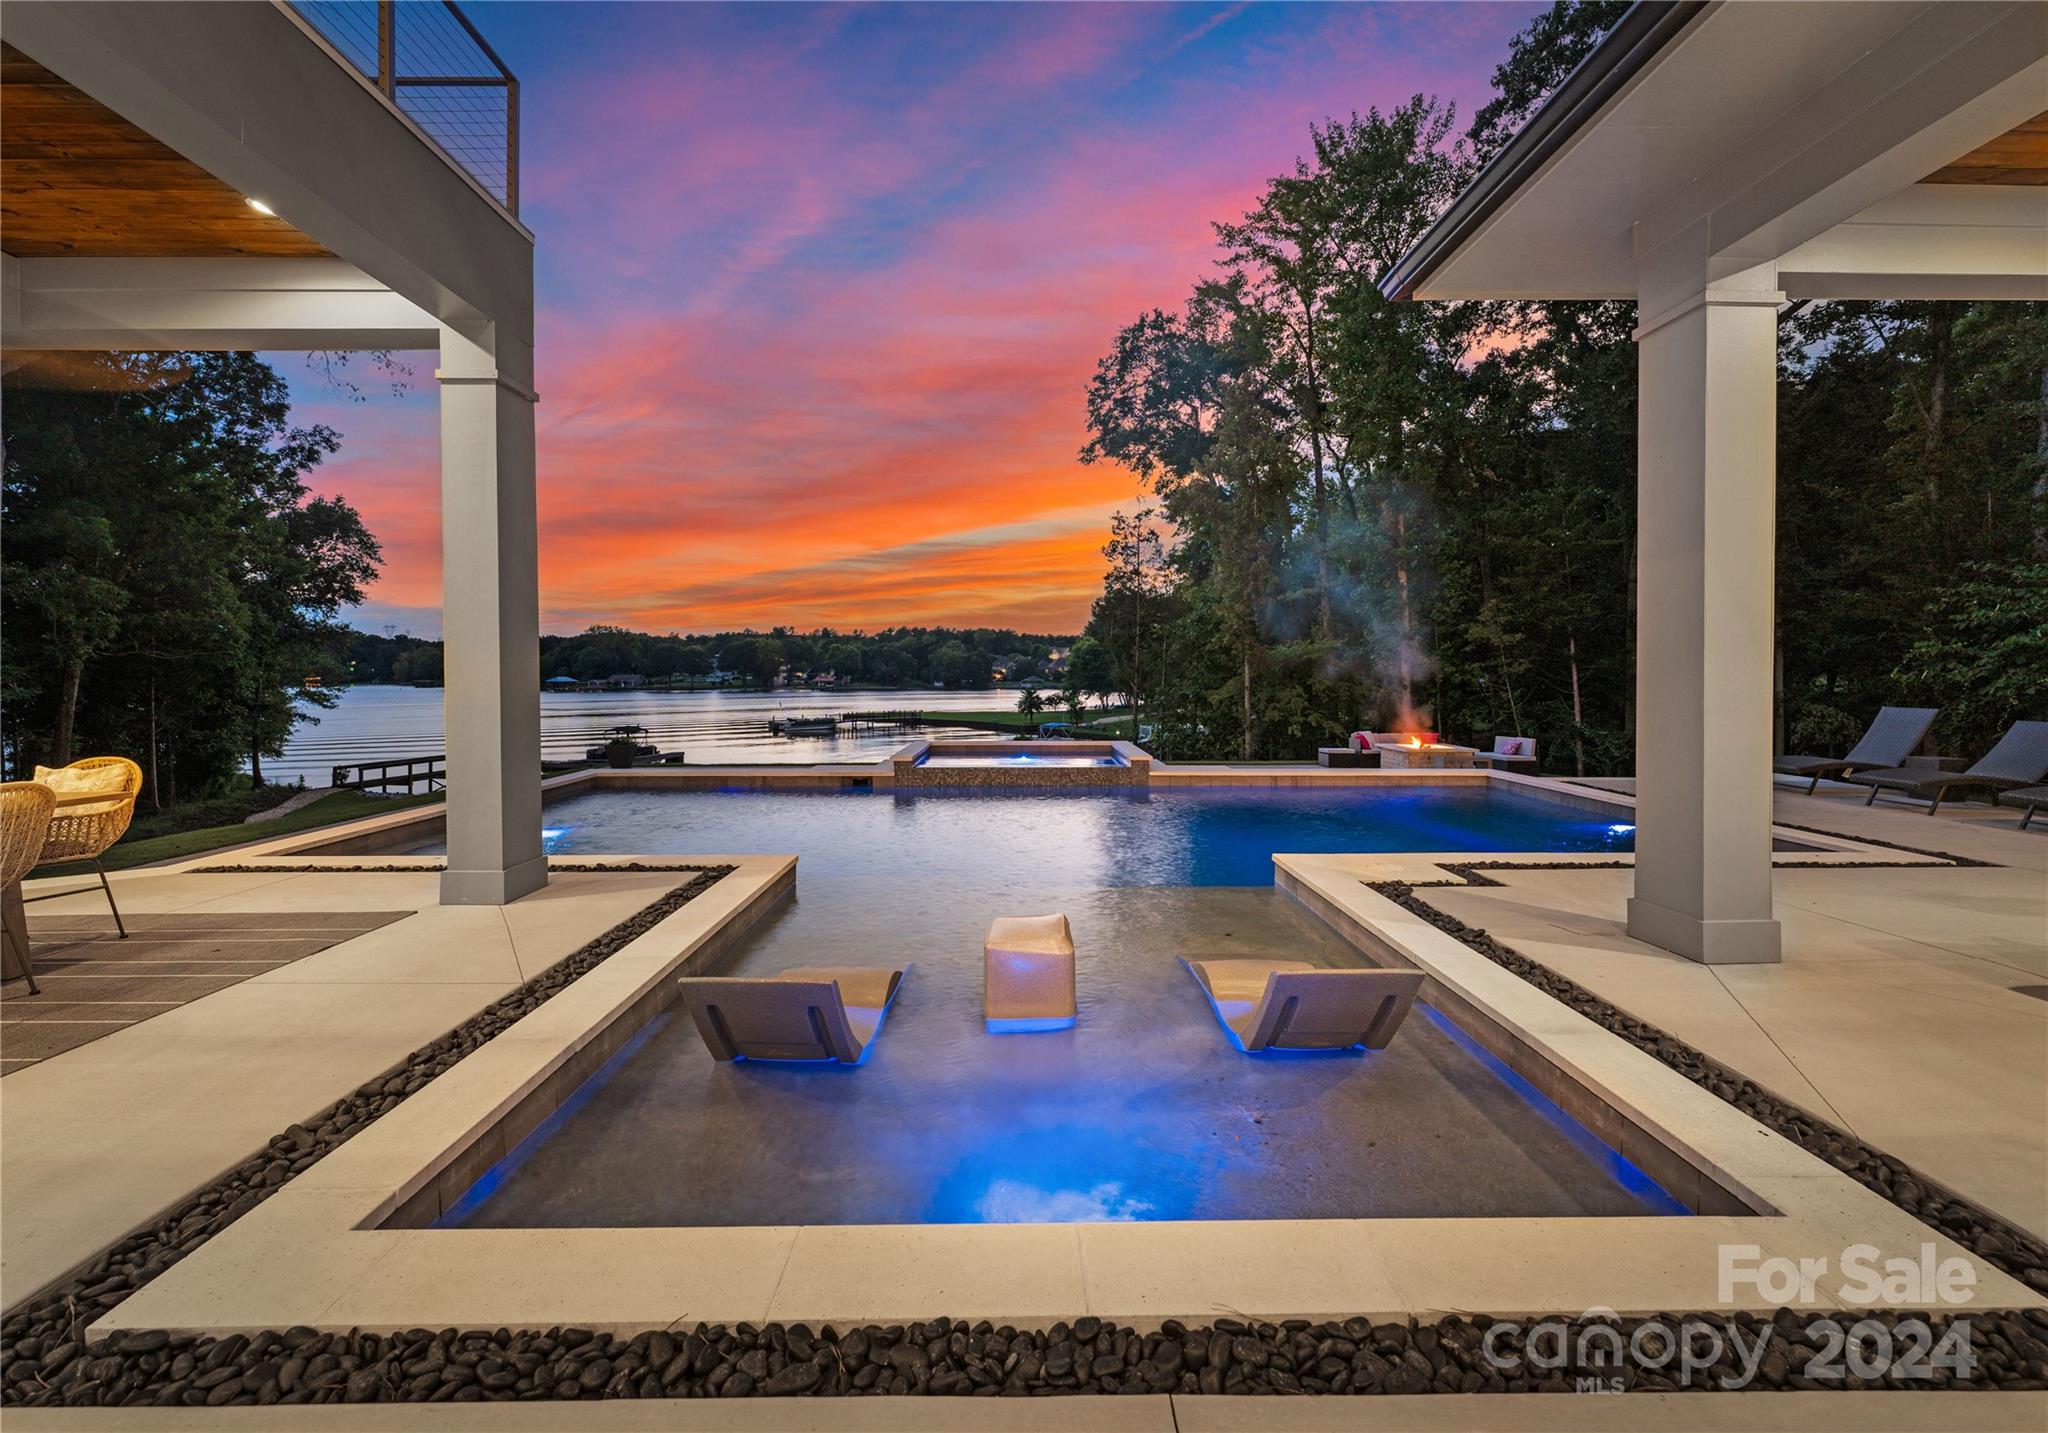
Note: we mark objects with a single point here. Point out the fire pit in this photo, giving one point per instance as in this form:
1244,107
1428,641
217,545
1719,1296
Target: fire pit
1415,752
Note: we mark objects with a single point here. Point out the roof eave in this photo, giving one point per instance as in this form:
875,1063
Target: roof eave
1636,39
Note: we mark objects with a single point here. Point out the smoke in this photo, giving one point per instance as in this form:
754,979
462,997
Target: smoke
1381,580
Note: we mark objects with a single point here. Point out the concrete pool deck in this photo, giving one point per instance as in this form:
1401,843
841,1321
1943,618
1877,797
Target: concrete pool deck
214,1109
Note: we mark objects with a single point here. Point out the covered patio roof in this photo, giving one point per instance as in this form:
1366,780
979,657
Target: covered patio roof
1766,126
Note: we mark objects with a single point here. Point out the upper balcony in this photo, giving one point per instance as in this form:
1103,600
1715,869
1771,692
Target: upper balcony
431,64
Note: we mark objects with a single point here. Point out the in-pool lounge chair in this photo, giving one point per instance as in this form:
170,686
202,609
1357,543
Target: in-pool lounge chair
814,1012
1895,735
1267,1004
2020,759
2028,799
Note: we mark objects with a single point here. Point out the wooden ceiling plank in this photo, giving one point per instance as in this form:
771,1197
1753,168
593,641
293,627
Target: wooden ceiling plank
78,180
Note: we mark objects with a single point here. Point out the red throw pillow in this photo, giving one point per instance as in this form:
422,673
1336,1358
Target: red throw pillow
1361,741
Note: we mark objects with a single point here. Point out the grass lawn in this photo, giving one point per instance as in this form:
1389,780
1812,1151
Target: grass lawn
327,811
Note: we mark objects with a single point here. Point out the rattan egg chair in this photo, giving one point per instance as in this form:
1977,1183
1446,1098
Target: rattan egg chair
82,828
25,808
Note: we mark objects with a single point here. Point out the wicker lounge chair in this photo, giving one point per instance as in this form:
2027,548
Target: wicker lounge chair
1267,1004
2028,799
2020,759
812,1013
1895,734
25,808
95,803
1027,974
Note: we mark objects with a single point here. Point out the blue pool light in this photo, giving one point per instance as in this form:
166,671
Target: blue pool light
1620,1168
1029,1024
487,1183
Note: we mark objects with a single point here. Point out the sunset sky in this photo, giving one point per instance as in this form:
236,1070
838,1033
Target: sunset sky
821,289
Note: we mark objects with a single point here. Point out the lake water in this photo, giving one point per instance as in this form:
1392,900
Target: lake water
376,723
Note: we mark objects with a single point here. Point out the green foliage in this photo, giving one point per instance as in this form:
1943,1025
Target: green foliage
1983,653
170,581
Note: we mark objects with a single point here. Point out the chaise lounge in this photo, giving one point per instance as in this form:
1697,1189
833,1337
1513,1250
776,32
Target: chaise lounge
2020,759
1267,1004
2028,799
1894,735
812,1013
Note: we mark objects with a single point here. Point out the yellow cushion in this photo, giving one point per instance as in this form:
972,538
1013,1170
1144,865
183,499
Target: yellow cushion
111,781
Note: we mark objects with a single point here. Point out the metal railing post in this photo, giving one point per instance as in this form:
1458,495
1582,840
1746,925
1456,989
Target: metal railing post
387,46
512,146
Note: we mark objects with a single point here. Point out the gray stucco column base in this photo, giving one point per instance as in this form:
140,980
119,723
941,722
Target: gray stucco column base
493,888
1710,942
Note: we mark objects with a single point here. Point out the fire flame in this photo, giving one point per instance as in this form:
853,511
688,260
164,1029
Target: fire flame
1416,742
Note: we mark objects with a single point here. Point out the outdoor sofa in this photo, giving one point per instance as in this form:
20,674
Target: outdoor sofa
1291,1005
1511,751
1895,735
2020,759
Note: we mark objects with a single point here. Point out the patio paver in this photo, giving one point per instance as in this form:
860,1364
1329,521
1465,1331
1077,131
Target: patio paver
99,1139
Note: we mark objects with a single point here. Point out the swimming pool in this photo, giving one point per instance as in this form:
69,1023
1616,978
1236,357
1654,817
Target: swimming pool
1200,836
1141,1111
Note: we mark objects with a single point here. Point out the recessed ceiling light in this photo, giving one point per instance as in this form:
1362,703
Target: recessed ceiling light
261,208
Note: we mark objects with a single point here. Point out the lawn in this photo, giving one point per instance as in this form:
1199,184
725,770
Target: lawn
177,845
1013,720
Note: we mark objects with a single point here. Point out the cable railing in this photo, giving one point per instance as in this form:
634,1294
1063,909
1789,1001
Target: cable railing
431,62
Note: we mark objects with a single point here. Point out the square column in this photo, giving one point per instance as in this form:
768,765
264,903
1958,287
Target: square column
1706,455
490,606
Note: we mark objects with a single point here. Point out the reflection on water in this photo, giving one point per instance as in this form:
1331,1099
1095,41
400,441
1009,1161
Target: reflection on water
391,723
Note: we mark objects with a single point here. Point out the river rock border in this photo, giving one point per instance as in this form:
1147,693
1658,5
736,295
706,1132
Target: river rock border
1990,1237
952,1357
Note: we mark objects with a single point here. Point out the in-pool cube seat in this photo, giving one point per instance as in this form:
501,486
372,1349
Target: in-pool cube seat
1266,1004
1027,974
813,1012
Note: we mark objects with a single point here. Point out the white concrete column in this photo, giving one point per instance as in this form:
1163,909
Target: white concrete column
1706,454
490,618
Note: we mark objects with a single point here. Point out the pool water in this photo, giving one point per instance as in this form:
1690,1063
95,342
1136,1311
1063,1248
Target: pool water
1021,759
1202,836
1142,1110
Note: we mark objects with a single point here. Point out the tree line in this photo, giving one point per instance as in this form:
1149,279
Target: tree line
169,578
959,658
1357,513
